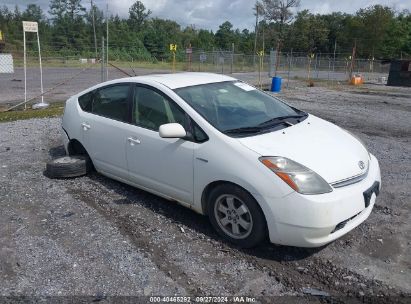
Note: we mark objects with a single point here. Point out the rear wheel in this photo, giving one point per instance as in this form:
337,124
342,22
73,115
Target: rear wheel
236,215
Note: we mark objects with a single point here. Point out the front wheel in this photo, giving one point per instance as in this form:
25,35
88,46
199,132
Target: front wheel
236,216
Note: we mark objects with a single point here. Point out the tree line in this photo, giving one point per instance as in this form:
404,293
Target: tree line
71,29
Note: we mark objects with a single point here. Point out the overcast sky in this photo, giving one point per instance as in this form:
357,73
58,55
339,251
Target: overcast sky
210,14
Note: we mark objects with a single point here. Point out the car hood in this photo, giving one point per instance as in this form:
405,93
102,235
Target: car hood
319,145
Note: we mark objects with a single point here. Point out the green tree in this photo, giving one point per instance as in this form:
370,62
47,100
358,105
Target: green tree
188,36
397,41
57,9
338,33
158,36
33,12
376,20
138,15
225,36
74,10
15,27
405,48
279,12
125,44
246,42
204,40
378,31
69,31
310,32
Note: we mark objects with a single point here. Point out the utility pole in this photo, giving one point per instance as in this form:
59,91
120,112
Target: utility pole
262,60
103,57
258,9
255,34
94,26
107,41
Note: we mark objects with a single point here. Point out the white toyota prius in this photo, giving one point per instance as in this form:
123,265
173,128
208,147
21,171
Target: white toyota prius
253,164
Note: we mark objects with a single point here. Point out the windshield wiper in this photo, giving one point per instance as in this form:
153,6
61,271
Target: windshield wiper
263,126
281,120
243,130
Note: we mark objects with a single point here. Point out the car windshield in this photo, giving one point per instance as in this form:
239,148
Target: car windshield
236,107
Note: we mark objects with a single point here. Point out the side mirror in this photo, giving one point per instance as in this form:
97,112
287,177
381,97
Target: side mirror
172,130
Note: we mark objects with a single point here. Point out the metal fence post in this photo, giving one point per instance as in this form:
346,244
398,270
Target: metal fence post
318,64
329,68
232,58
289,67
335,49
102,59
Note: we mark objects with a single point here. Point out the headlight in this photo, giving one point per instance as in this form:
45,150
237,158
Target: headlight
298,177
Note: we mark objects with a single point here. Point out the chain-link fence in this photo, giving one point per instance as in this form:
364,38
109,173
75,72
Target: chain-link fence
327,67
6,64
318,66
66,75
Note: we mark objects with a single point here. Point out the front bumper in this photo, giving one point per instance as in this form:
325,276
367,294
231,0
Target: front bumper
315,220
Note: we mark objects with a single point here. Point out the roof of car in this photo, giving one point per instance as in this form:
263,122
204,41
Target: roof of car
180,80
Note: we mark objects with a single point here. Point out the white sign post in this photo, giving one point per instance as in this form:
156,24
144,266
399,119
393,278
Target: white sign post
29,26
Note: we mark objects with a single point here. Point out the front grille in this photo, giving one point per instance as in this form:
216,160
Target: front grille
351,180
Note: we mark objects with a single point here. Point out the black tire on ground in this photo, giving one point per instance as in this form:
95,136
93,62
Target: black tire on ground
68,166
219,199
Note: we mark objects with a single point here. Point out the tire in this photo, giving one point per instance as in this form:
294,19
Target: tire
246,226
68,166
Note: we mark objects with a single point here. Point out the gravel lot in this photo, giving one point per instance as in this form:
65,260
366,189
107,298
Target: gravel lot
95,236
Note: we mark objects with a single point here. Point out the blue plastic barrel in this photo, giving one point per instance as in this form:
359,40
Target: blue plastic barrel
276,84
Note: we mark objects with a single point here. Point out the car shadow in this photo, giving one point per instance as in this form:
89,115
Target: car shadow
199,223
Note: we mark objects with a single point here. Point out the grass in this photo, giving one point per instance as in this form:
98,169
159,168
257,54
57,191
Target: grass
54,110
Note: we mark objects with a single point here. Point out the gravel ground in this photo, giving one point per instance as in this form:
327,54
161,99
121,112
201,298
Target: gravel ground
95,236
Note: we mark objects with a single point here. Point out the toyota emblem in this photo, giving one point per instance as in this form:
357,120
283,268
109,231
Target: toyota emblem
361,165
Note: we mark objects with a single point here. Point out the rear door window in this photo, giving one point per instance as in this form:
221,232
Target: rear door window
112,102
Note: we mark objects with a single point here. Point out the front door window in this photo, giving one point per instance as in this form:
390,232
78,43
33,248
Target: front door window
151,109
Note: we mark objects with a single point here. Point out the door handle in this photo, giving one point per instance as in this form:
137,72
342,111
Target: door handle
133,141
85,126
